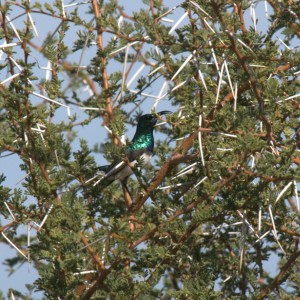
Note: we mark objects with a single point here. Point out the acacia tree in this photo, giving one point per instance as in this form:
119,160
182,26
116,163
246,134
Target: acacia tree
219,198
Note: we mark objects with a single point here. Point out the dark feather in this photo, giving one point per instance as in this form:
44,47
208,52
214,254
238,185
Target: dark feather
141,146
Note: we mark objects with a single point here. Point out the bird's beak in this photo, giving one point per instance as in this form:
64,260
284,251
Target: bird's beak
164,112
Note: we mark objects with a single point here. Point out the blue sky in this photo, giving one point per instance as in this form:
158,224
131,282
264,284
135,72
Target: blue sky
93,133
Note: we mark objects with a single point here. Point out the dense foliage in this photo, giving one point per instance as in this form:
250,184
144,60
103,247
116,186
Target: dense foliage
217,206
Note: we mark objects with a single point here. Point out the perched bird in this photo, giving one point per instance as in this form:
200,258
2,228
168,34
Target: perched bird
140,148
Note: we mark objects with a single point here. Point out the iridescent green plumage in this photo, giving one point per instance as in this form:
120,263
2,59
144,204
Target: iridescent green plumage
143,138
141,146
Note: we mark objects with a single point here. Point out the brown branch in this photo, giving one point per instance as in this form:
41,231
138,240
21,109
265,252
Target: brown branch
225,182
267,178
242,59
125,37
296,159
7,39
229,97
127,196
259,261
178,213
241,16
36,12
283,68
283,229
243,88
73,69
294,206
281,276
100,44
155,22
95,257
12,223
177,157
123,14
99,281
278,10
253,81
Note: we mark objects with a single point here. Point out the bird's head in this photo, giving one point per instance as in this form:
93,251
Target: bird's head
149,120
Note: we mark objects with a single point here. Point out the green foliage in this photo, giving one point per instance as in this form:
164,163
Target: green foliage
216,205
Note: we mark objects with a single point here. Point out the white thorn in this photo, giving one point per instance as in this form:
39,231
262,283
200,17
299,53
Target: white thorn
12,215
13,28
220,82
46,216
50,100
283,191
5,45
178,22
200,140
204,178
198,6
136,74
182,66
10,78
296,195
11,243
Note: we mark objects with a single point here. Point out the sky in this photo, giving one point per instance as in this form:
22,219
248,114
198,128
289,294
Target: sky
94,133
26,274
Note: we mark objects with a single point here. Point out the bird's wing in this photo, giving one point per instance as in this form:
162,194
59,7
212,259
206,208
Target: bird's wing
109,173
119,169
104,169
134,155
119,164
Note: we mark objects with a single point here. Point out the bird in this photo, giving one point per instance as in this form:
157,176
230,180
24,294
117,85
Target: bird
140,149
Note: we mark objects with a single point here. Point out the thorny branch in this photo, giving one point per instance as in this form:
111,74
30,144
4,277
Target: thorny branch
99,40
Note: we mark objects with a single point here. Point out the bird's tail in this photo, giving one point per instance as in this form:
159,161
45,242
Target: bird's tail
103,181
